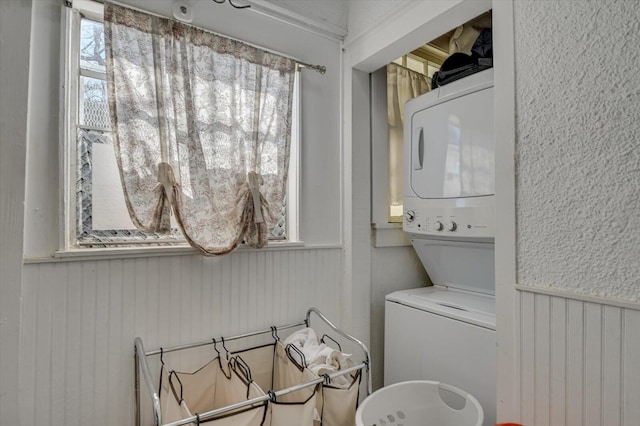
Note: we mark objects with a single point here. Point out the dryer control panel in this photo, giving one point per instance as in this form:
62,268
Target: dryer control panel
450,218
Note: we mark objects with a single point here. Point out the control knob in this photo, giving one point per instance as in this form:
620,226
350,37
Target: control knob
438,226
452,226
410,215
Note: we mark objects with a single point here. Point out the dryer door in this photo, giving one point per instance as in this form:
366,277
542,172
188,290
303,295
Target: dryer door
452,147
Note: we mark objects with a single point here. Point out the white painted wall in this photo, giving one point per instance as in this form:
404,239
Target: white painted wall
333,12
79,316
546,327
356,17
365,15
15,19
578,361
80,319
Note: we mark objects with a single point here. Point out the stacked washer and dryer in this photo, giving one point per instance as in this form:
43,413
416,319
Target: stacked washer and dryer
446,332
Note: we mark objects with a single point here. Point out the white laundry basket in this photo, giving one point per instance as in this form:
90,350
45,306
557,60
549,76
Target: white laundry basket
420,403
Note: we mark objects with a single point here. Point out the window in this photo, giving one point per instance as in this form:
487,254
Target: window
387,138
95,210
425,62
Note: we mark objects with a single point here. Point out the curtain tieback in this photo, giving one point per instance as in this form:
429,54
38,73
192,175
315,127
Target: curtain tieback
167,180
254,185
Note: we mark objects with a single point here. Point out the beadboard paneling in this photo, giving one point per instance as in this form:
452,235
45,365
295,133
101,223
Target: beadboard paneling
578,362
80,318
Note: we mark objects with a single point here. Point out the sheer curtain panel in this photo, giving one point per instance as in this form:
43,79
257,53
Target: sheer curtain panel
202,126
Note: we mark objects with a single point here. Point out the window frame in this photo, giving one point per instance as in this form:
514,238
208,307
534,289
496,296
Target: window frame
72,73
385,232
387,229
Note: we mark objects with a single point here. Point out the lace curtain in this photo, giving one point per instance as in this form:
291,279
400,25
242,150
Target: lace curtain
402,85
202,127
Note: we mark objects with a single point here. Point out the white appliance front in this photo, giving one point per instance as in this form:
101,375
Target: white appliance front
449,182
446,336
447,332
449,150
464,265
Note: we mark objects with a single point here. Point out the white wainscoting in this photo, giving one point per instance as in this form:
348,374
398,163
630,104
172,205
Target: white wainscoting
79,320
579,360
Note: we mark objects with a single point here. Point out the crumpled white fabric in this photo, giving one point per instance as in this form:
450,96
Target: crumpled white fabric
321,359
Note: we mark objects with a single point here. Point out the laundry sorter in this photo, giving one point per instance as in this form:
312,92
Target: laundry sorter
297,381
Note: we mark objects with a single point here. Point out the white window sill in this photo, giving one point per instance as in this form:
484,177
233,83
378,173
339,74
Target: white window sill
176,250
389,235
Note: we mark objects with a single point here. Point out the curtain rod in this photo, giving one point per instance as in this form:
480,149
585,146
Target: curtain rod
318,68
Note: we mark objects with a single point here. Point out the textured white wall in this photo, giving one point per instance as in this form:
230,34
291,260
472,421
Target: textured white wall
578,146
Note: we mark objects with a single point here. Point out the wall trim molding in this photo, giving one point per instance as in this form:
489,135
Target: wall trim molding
580,297
389,235
183,250
263,7
322,28
509,381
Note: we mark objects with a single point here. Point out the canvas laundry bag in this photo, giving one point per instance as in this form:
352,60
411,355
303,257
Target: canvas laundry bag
171,409
337,403
288,372
338,398
272,369
215,385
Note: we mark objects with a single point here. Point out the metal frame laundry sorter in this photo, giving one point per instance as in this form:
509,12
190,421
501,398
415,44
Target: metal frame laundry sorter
271,395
